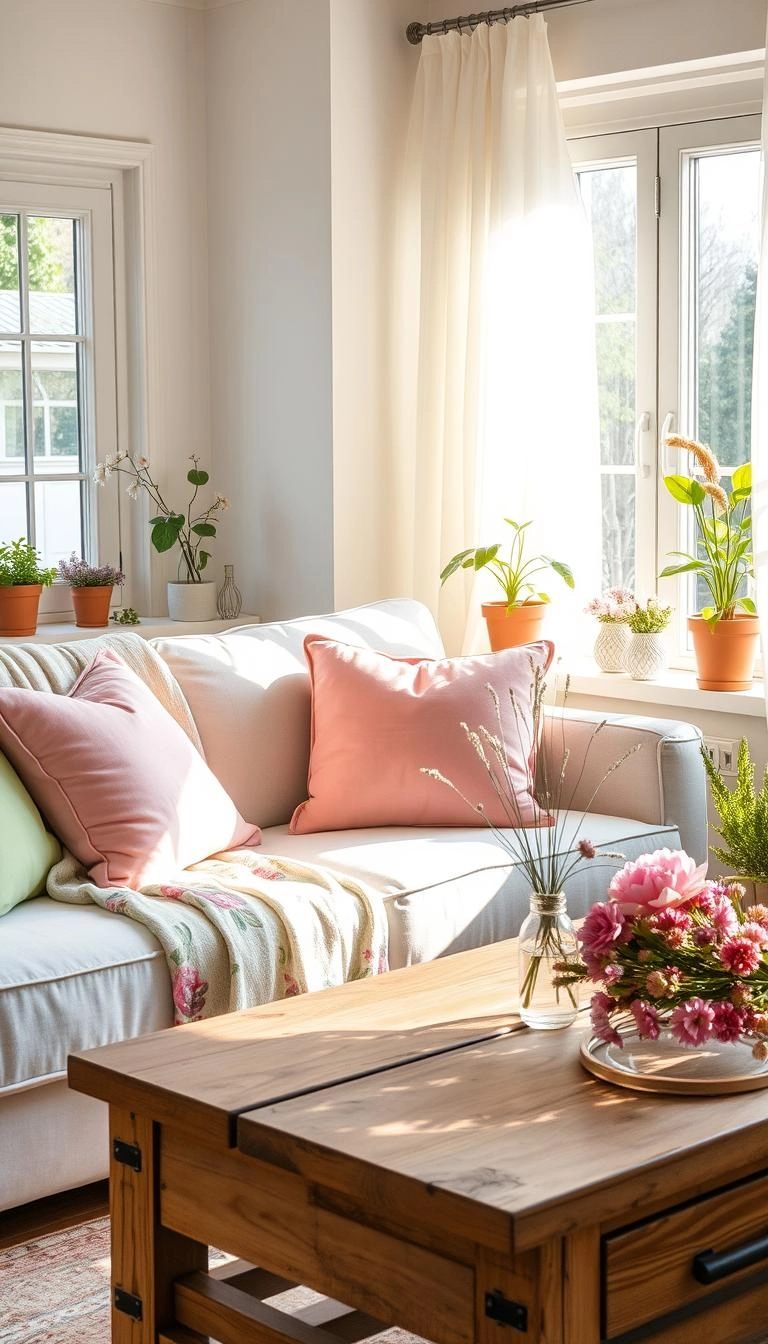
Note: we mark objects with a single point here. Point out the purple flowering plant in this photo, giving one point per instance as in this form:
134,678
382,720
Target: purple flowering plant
674,950
79,574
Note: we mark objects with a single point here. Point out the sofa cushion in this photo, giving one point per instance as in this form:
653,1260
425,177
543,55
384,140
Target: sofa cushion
248,690
379,721
117,778
73,977
449,889
28,850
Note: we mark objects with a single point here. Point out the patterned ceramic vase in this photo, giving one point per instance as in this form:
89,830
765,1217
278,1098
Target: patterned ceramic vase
646,656
611,646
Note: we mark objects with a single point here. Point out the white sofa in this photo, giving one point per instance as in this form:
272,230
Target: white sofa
76,976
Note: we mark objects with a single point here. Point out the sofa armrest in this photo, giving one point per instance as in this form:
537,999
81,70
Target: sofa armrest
662,782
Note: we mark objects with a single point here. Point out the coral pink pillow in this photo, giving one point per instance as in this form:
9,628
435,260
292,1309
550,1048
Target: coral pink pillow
116,777
377,720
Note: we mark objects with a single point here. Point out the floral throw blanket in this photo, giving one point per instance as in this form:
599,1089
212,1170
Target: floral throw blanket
245,928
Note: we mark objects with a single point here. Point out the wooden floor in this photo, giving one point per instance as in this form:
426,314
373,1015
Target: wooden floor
53,1214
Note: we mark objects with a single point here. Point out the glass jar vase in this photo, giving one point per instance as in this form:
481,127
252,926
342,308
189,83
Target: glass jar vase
546,944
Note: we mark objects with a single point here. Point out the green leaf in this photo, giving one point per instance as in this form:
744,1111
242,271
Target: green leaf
565,572
741,480
204,529
686,568
457,562
680,488
484,555
202,559
165,532
196,477
747,604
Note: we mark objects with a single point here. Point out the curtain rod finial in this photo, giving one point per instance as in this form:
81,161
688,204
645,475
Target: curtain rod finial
414,32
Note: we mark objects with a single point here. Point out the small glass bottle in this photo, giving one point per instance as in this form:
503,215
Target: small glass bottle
229,599
547,941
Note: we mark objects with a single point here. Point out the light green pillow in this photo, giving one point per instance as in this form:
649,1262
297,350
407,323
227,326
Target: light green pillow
28,849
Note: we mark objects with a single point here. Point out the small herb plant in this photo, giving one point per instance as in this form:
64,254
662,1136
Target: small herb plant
126,616
743,813
514,574
79,574
650,619
20,564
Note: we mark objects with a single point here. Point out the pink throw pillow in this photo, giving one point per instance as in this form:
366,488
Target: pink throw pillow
117,778
376,720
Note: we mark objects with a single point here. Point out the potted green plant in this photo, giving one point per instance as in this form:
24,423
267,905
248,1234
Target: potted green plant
90,589
191,597
22,579
646,654
725,632
518,618
743,816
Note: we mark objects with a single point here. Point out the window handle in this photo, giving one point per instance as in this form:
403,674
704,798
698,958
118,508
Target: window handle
666,428
641,453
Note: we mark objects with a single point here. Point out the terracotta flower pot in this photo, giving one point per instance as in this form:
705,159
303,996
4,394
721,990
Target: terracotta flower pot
18,608
91,605
725,653
521,625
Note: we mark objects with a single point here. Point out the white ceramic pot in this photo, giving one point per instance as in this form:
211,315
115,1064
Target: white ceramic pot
611,646
192,601
646,656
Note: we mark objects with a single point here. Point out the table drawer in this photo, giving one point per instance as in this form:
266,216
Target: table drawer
649,1271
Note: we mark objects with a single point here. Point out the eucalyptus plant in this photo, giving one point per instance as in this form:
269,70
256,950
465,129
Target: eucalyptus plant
513,574
723,557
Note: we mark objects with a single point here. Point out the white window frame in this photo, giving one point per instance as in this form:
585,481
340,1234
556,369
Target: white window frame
677,144
127,170
91,207
661,287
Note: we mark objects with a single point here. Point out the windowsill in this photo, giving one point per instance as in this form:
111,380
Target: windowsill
150,628
673,687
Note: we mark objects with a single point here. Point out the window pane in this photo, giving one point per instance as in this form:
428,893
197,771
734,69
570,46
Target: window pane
13,510
58,518
51,254
10,308
54,382
11,406
618,493
610,198
727,187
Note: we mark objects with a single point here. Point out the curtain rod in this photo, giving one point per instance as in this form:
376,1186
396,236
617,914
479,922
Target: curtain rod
416,31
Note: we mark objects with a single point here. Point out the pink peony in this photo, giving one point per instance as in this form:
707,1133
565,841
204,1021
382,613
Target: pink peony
740,955
667,877
603,929
692,1022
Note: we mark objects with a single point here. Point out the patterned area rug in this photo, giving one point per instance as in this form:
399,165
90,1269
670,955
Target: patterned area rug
55,1290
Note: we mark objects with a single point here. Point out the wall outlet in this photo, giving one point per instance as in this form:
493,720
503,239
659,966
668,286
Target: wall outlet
722,754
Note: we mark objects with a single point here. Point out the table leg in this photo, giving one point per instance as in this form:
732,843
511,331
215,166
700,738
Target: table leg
146,1257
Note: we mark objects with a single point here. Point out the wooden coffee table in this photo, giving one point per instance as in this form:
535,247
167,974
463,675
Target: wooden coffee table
406,1148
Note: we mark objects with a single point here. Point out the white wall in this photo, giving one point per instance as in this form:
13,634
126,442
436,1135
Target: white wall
372,72
134,70
269,177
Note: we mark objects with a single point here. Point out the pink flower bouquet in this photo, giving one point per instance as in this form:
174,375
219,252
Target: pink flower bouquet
676,951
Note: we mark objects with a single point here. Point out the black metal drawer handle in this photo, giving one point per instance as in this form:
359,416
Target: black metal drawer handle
710,1266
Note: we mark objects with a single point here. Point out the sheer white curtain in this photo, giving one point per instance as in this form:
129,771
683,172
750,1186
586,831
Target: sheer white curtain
760,408
494,374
